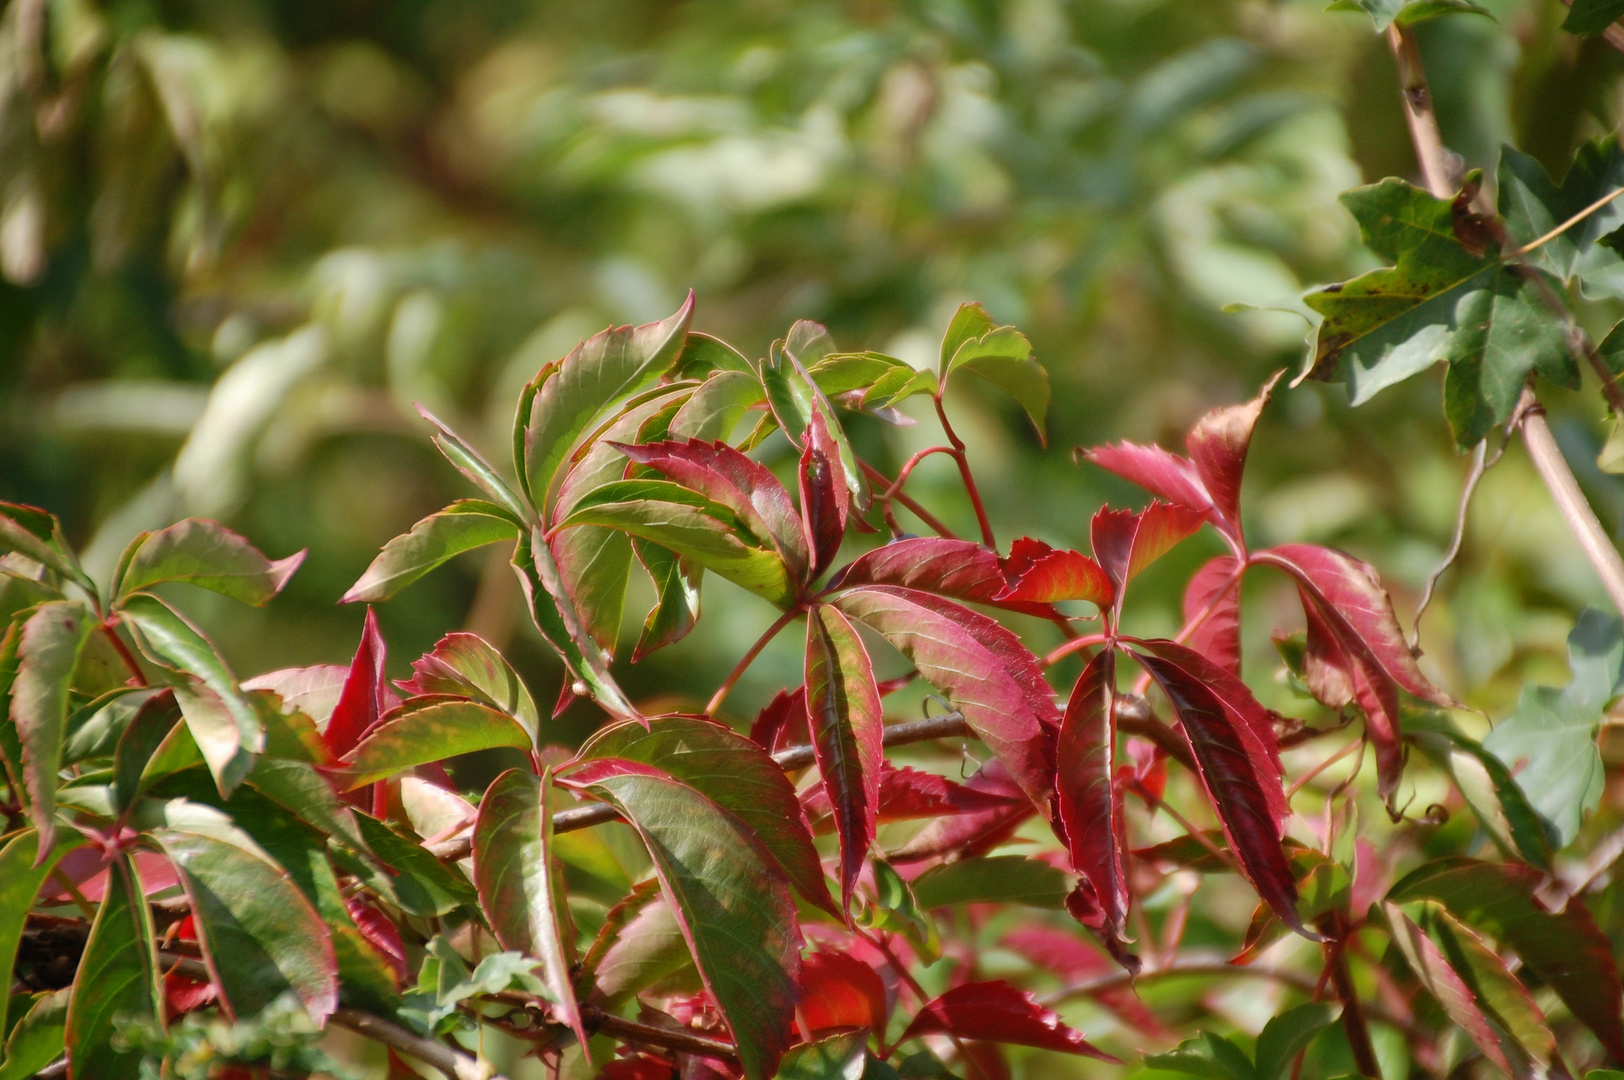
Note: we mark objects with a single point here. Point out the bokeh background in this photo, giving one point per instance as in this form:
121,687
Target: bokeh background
239,239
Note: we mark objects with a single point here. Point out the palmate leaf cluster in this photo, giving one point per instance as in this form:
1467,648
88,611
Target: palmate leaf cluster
301,845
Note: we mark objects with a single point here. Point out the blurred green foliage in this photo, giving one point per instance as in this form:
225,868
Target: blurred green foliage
241,238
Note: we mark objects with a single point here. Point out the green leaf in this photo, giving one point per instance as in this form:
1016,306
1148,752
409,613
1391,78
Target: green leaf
117,980
556,618
205,554
647,951
896,910
793,397
1003,356
1533,207
998,879
690,526
1591,17
732,903
422,886
969,322
146,751
47,654
520,889
1406,12
1290,1033
735,774
37,535
676,611
431,730
462,526
468,461
467,664
444,981
1564,949
1492,792
301,789
22,872
38,1038
715,408
1550,741
703,354
840,1057
222,719
1205,1055
259,934
605,369
1490,322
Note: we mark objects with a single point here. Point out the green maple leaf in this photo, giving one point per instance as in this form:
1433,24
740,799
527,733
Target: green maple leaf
1533,206
1489,319
1550,741
1588,18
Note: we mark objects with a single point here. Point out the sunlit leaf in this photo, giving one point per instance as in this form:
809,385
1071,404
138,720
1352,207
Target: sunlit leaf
467,664
427,730
846,724
47,653
462,526
205,554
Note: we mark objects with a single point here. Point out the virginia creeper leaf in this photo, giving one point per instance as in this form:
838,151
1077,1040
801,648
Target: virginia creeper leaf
957,569
1088,798
467,664
462,526
982,670
1214,596
676,581
1564,949
1218,444
1287,1035
561,626
1492,792
205,554
978,831
840,991
1003,356
825,496
37,535
734,773
839,1057
732,904
117,980
432,729
38,1038
997,879
998,1012
468,461
846,723
47,653
520,889
1127,541
1037,573
1589,18
24,866
423,886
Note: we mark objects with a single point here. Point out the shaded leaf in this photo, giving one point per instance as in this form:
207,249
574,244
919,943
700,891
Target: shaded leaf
37,535
998,1012
1591,17
1533,206
644,950
117,980
825,495
38,1038
260,935
982,670
1207,1054
840,1057
22,872
977,832
1564,949
205,554
840,991
1003,356
47,652
732,903
1287,1035
1215,592
846,723
561,626
907,793
520,890
422,886
462,526
999,879
1492,792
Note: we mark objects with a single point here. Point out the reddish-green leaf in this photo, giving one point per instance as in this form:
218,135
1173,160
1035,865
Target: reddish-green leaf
468,461
260,935
1213,596
606,368
430,729
22,871
205,554
982,670
47,653
735,774
1090,801
547,599
1127,541
732,904
907,794
1564,949
117,981
952,568
520,889
998,1012
1038,573
676,581
462,526
1235,781
37,535
825,496
365,696
746,487
467,664
846,722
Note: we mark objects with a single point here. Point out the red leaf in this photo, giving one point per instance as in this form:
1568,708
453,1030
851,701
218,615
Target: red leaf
783,722
825,497
1358,609
1235,784
380,932
183,994
726,476
907,793
982,670
845,719
1216,590
952,568
975,833
840,991
641,1067
1160,472
365,697
1326,667
1125,542
998,1012
1075,961
1090,803
1217,446
1251,721
1039,573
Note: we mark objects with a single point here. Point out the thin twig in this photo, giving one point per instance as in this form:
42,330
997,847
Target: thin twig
1566,225
1473,475
1430,153
755,650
